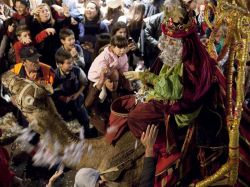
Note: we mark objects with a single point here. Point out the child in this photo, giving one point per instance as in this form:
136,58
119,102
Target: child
24,39
21,17
69,84
113,57
67,39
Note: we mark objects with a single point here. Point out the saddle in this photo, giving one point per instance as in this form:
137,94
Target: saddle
125,155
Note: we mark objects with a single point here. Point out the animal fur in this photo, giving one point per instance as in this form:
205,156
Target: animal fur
39,109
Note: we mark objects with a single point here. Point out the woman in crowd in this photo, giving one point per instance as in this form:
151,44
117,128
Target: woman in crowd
43,19
136,29
114,11
93,26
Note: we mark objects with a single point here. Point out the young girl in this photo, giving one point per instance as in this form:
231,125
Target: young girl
113,57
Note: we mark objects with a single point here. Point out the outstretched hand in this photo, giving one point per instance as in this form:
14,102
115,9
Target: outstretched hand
50,31
66,11
148,139
54,177
131,75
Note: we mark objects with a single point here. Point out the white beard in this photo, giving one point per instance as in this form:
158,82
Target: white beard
171,53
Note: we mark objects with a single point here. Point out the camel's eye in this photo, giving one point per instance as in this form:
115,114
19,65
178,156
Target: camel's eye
28,100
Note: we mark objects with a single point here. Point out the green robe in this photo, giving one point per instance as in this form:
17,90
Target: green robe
168,86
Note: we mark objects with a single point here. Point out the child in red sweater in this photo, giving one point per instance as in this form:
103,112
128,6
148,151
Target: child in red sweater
24,39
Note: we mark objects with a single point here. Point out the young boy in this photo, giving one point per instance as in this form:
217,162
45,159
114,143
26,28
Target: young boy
24,39
69,84
67,39
113,57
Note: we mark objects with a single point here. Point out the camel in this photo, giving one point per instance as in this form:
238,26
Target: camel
121,162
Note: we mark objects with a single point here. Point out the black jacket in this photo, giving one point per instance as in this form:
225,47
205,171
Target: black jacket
148,172
49,46
152,34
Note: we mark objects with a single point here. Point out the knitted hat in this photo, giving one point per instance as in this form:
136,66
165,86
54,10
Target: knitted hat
86,177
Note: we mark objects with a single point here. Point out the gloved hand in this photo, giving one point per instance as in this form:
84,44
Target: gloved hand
132,75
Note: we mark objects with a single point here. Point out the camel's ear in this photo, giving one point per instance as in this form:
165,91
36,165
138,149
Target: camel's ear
43,91
49,89
40,92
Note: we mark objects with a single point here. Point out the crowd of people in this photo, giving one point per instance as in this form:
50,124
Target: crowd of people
74,38
90,51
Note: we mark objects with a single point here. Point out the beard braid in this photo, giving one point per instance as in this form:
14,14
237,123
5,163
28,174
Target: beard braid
171,54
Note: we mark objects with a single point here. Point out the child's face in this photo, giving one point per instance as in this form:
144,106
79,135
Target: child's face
119,51
67,66
24,37
20,8
69,42
121,32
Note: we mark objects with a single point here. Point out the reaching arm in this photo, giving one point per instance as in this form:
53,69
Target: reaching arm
148,139
167,85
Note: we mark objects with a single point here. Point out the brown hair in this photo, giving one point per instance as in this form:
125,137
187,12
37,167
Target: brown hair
97,7
64,33
23,2
119,41
111,12
21,28
137,14
119,25
62,55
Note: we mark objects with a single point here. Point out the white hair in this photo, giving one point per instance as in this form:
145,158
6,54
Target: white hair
171,50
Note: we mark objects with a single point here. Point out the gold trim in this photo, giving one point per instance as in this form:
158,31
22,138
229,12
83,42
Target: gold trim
238,22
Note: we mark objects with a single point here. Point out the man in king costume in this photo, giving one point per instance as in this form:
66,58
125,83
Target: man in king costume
188,82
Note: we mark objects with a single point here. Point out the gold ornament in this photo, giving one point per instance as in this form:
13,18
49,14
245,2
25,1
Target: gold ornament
236,16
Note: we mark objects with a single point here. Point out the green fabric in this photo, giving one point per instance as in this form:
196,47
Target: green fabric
183,120
167,85
219,46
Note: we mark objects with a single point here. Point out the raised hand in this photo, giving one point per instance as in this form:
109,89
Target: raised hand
132,46
36,11
11,28
66,12
50,31
26,40
54,177
148,139
74,52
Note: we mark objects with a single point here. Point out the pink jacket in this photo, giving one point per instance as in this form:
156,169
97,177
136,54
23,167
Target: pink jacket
109,60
